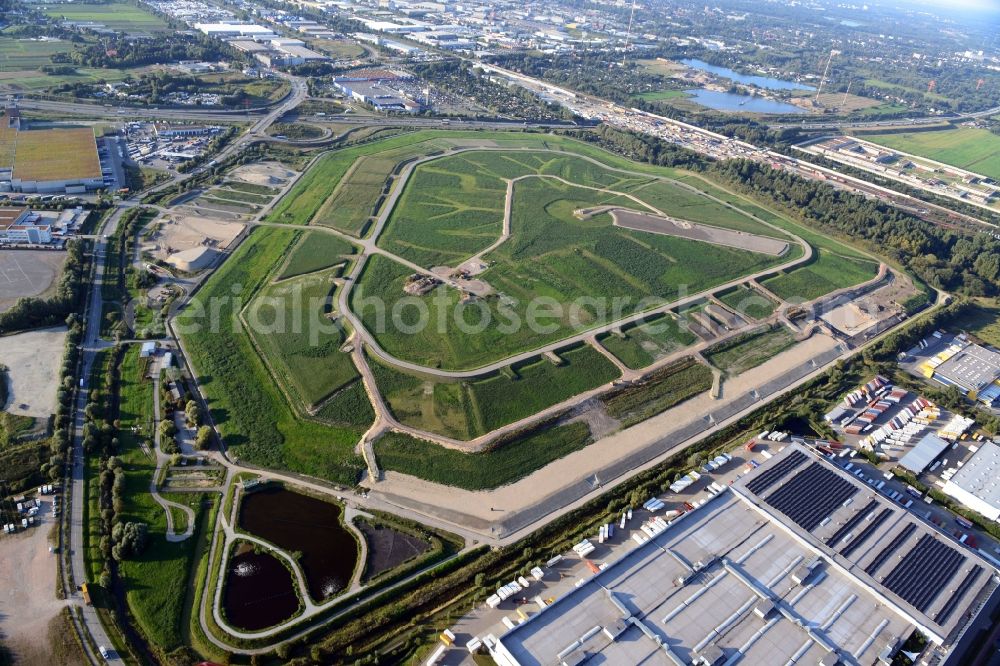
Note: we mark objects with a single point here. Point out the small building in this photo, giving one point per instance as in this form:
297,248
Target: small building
19,226
147,350
924,453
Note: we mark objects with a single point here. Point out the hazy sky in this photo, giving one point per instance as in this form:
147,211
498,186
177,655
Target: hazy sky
987,6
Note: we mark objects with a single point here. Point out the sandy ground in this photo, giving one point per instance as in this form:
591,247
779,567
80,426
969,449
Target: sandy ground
272,174
445,500
33,377
28,586
27,273
184,233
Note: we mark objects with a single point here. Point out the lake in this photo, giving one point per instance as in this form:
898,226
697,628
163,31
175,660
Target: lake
309,526
259,591
724,101
759,81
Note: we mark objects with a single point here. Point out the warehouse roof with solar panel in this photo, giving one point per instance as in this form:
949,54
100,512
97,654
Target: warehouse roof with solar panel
801,561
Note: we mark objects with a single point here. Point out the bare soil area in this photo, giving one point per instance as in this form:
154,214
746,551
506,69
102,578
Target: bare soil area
33,361
184,233
699,232
485,507
27,273
271,174
28,595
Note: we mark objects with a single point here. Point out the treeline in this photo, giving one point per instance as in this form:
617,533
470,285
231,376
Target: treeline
962,263
643,148
31,312
119,53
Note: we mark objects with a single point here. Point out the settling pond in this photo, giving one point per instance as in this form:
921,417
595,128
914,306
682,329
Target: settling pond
259,590
746,79
310,526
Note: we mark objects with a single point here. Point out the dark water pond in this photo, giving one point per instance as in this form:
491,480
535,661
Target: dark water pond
299,523
259,591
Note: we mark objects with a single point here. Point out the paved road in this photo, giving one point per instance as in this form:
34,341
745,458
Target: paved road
75,574
91,343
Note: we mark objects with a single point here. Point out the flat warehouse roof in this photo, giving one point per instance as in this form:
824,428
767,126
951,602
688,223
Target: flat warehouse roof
798,561
56,154
972,368
980,475
923,454
741,554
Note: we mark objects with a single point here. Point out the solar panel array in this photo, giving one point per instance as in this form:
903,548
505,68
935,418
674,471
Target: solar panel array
771,476
859,540
896,542
924,571
846,528
811,495
953,600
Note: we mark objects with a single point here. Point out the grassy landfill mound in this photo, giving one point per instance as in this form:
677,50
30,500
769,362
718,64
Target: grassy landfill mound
289,398
465,410
827,272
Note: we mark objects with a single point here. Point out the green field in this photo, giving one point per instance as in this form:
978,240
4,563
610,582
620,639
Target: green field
592,272
982,320
156,581
316,251
641,344
749,302
465,410
255,419
660,95
660,391
747,351
504,464
291,323
827,272
115,15
976,150
18,54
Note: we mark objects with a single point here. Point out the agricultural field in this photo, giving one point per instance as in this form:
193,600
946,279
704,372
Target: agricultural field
826,273
505,463
115,15
639,345
747,351
749,302
465,410
662,95
976,150
24,54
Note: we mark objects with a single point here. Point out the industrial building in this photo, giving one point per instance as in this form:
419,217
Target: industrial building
972,368
47,160
19,226
795,562
976,484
